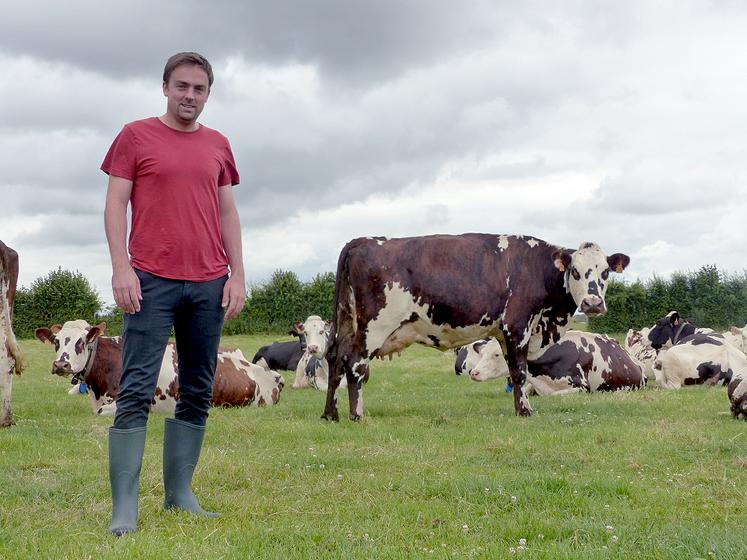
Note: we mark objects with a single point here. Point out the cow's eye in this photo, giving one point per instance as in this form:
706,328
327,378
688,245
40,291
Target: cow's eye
575,274
605,273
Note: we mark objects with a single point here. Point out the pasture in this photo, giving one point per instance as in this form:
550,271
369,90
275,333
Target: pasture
439,468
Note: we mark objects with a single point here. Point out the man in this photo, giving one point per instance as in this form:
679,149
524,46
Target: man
177,175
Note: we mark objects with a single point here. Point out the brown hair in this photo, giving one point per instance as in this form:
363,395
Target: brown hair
187,58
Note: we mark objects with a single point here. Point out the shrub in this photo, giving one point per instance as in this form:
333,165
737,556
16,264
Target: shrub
59,296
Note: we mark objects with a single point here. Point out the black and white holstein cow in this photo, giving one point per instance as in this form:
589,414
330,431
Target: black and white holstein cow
85,354
446,291
283,355
670,329
579,361
699,359
11,357
468,356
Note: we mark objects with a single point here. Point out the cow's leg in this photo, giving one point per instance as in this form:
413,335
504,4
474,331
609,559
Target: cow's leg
6,384
517,367
356,377
337,367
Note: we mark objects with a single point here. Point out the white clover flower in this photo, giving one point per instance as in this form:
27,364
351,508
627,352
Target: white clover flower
613,539
609,528
522,542
513,499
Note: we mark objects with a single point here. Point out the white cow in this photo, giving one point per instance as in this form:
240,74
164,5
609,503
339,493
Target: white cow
639,347
313,369
736,337
700,359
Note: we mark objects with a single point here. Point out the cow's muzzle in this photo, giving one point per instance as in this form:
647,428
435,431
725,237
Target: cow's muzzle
62,368
593,305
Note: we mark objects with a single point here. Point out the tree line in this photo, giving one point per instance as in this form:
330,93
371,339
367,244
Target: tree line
707,296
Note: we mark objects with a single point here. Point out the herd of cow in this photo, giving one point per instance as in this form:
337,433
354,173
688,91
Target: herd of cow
504,303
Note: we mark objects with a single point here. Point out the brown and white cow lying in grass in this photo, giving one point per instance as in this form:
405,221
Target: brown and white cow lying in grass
84,353
579,361
11,357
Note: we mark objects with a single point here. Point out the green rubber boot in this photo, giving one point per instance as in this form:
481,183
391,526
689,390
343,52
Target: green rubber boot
125,457
182,443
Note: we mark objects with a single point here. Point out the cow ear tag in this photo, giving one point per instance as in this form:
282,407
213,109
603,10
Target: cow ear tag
560,265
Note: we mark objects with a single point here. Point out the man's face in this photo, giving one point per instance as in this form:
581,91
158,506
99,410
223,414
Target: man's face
187,91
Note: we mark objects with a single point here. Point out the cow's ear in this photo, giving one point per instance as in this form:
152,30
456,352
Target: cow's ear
561,259
95,332
44,335
618,262
733,330
674,318
56,328
298,327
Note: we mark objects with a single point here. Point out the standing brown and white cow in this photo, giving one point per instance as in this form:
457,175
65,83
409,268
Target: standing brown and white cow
84,353
11,357
445,291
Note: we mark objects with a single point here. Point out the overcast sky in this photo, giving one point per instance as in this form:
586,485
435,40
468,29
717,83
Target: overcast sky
623,123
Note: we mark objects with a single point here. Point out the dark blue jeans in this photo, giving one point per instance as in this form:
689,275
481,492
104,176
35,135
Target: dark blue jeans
194,310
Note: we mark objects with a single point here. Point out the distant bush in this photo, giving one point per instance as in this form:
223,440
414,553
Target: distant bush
59,296
274,306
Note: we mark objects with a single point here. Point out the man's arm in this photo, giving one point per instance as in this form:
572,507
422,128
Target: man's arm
125,283
234,292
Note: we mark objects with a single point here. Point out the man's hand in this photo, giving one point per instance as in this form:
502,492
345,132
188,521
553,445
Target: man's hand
126,289
234,296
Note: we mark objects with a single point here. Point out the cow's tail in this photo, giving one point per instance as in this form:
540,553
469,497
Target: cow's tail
343,305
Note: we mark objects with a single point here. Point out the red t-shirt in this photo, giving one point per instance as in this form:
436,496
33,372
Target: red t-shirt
176,230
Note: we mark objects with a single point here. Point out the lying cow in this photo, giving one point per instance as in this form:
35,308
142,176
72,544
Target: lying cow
85,354
579,361
468,356
737,392
672,328
283,355
313,369
639,347
700,359
11,357
445,291
736,337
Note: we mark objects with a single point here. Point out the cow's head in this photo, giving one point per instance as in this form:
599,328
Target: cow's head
492,364
664,330
72,343
317,335
297,330
586,274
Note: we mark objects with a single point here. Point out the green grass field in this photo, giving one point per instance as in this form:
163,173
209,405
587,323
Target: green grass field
439,468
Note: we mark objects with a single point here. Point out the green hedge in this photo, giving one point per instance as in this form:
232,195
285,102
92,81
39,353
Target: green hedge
59,296
707,297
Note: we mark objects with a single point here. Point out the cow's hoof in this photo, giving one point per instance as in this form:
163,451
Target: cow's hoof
7,423
524,412
356,417
331,416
